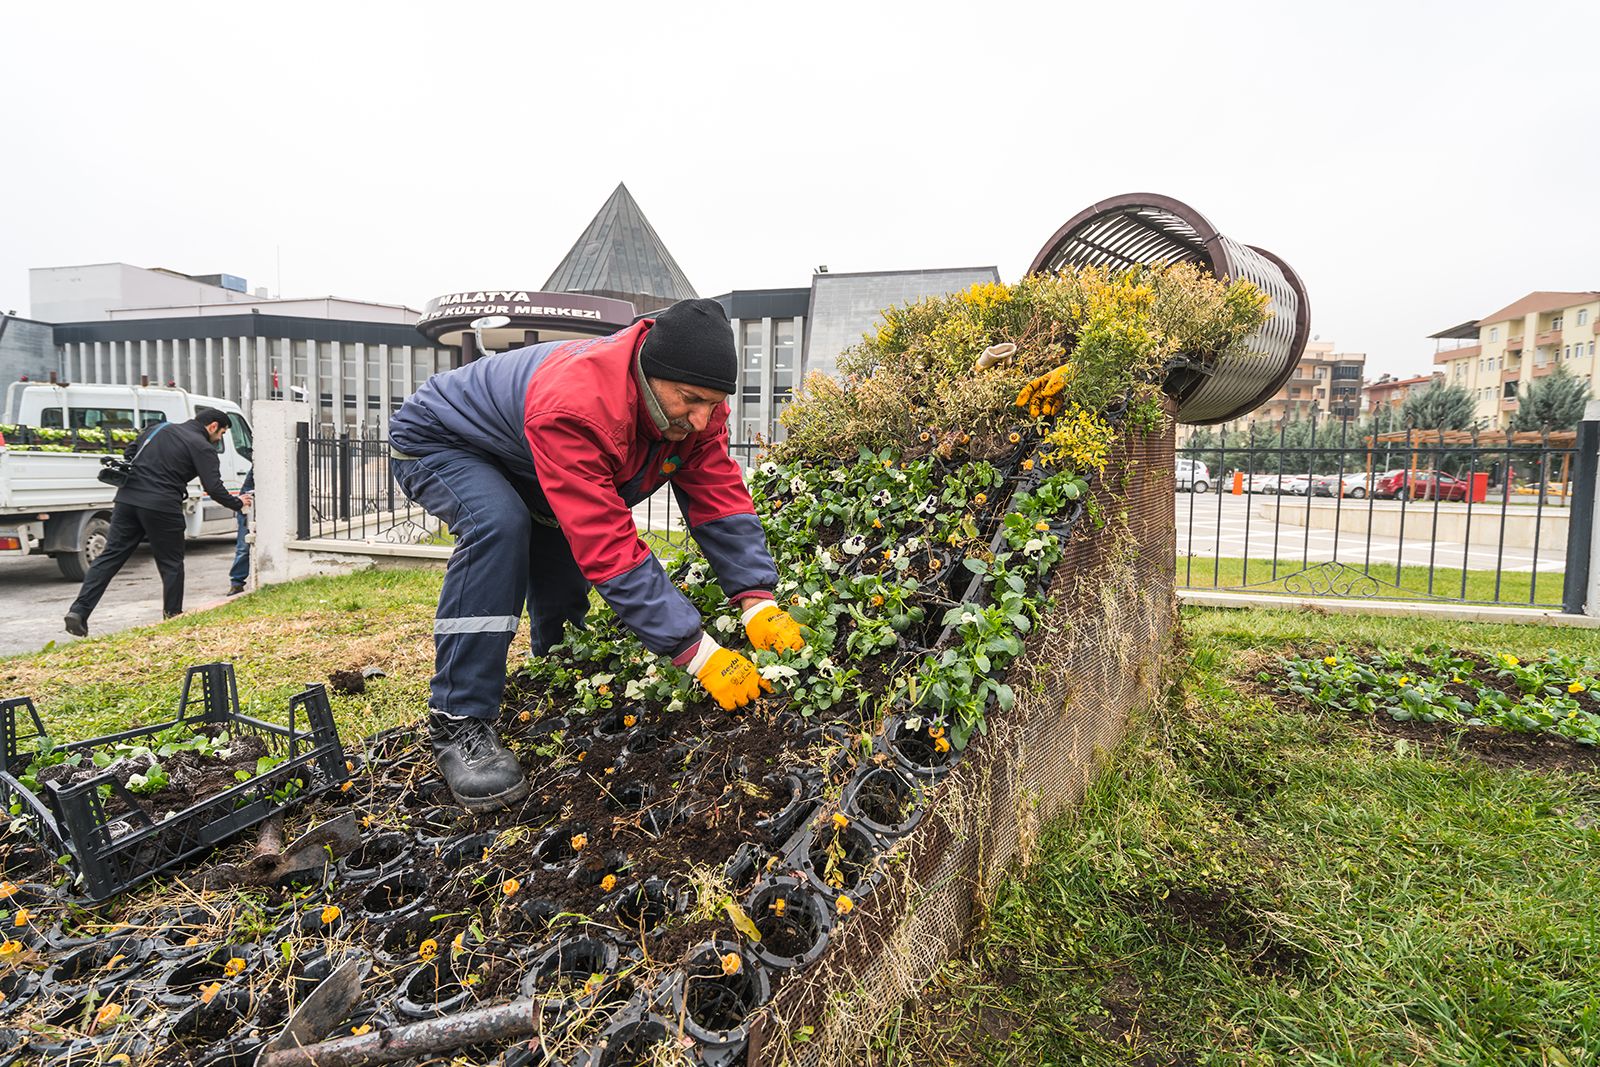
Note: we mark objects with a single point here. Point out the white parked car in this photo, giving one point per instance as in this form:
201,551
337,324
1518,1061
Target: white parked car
1193,475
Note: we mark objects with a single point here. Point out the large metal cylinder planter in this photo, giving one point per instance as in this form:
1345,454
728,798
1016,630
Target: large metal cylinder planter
1144,228
1106,648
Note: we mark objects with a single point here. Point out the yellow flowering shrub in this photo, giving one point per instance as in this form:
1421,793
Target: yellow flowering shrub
910,383
1080,441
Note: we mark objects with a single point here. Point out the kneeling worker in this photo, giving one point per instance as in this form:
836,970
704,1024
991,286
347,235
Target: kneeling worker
534,459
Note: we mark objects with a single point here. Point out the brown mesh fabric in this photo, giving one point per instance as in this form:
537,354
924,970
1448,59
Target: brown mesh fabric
1104,648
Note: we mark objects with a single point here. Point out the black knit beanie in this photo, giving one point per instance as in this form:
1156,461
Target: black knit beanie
692,342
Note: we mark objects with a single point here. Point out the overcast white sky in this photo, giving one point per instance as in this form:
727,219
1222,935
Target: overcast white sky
1419,164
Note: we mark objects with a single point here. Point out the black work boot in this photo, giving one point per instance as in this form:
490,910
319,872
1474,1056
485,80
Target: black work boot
76,624
480,771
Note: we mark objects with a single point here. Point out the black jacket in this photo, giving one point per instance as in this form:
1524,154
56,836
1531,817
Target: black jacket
162,473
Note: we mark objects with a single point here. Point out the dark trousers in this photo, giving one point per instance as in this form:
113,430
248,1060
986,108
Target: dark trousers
130,525
503,559
241,551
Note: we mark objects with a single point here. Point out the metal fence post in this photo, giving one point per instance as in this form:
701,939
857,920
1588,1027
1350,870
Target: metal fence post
346,474
302,480
1579,593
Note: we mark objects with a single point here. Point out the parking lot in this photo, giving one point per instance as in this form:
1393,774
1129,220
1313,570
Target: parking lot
1213,524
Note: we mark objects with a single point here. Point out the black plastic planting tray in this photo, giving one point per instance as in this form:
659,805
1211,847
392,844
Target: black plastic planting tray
115,851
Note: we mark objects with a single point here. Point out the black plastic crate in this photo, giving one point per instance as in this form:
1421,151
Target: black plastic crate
115,852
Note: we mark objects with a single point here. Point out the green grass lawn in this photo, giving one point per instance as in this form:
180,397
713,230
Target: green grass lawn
1249,883
1515,587
278,640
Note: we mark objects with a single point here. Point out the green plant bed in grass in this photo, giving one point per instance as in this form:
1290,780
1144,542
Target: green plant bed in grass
1253,883
1371,581
1556,694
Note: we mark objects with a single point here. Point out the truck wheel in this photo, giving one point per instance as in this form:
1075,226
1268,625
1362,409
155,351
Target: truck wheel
92,542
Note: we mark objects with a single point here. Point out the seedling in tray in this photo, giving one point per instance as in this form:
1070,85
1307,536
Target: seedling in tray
131,805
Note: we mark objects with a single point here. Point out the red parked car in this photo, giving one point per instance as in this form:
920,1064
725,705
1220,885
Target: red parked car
1419,485
1439,485
1391,484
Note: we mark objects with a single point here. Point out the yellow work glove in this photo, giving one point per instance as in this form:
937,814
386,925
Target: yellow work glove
731,679
1042,396
770,628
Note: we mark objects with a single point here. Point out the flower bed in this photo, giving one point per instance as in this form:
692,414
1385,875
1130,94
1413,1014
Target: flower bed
1555,695
984,594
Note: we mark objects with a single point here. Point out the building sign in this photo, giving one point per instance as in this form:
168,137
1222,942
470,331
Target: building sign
528,309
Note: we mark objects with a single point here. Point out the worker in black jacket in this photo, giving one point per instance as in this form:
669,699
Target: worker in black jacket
165,459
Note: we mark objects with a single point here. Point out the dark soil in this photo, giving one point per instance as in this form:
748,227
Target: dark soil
1497,747
350,683
191,777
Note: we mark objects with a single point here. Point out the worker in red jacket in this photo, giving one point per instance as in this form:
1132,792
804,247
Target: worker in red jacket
534,459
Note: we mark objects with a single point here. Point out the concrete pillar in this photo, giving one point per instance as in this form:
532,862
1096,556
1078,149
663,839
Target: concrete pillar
359,420
276,488
385,391
336,369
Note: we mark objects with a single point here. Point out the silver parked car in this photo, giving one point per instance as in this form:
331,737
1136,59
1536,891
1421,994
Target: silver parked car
1193,475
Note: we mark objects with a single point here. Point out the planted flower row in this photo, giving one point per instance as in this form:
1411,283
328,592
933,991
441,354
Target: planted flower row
1556,694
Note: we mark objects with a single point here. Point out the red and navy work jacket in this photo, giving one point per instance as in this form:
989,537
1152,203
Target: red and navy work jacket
568,418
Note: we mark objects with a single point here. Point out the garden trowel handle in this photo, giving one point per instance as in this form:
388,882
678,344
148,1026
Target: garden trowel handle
994,355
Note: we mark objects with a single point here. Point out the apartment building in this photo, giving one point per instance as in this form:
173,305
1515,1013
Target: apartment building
1325,383
1494,357
1391,392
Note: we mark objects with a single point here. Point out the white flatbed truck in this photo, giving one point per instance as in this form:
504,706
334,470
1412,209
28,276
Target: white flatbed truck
52,501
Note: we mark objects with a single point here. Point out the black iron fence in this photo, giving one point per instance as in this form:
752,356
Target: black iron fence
346,490
1316,509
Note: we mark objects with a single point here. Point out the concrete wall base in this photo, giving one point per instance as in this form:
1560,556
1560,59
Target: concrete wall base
1210,598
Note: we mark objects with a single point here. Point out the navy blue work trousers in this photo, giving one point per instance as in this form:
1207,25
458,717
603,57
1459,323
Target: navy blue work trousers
503,558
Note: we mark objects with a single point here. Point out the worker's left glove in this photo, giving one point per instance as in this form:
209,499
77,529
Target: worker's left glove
1042,396
770,628
730,679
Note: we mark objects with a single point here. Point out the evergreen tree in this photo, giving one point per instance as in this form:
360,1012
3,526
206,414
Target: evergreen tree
1439,407
1555,402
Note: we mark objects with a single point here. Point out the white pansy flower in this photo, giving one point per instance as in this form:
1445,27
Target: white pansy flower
676,704
855,545
1033,547
825,664
602,679
838,475
652,672
634,690
769,468
913,544
797,485
927,505
825,560
880,498
897,475
724,624
777,672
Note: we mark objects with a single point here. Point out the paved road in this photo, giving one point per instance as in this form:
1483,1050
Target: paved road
34,596
1229,531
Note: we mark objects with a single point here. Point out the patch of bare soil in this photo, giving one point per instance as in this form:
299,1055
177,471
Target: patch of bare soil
1497,747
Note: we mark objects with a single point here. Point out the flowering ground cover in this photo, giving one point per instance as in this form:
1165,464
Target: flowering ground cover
1553,694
